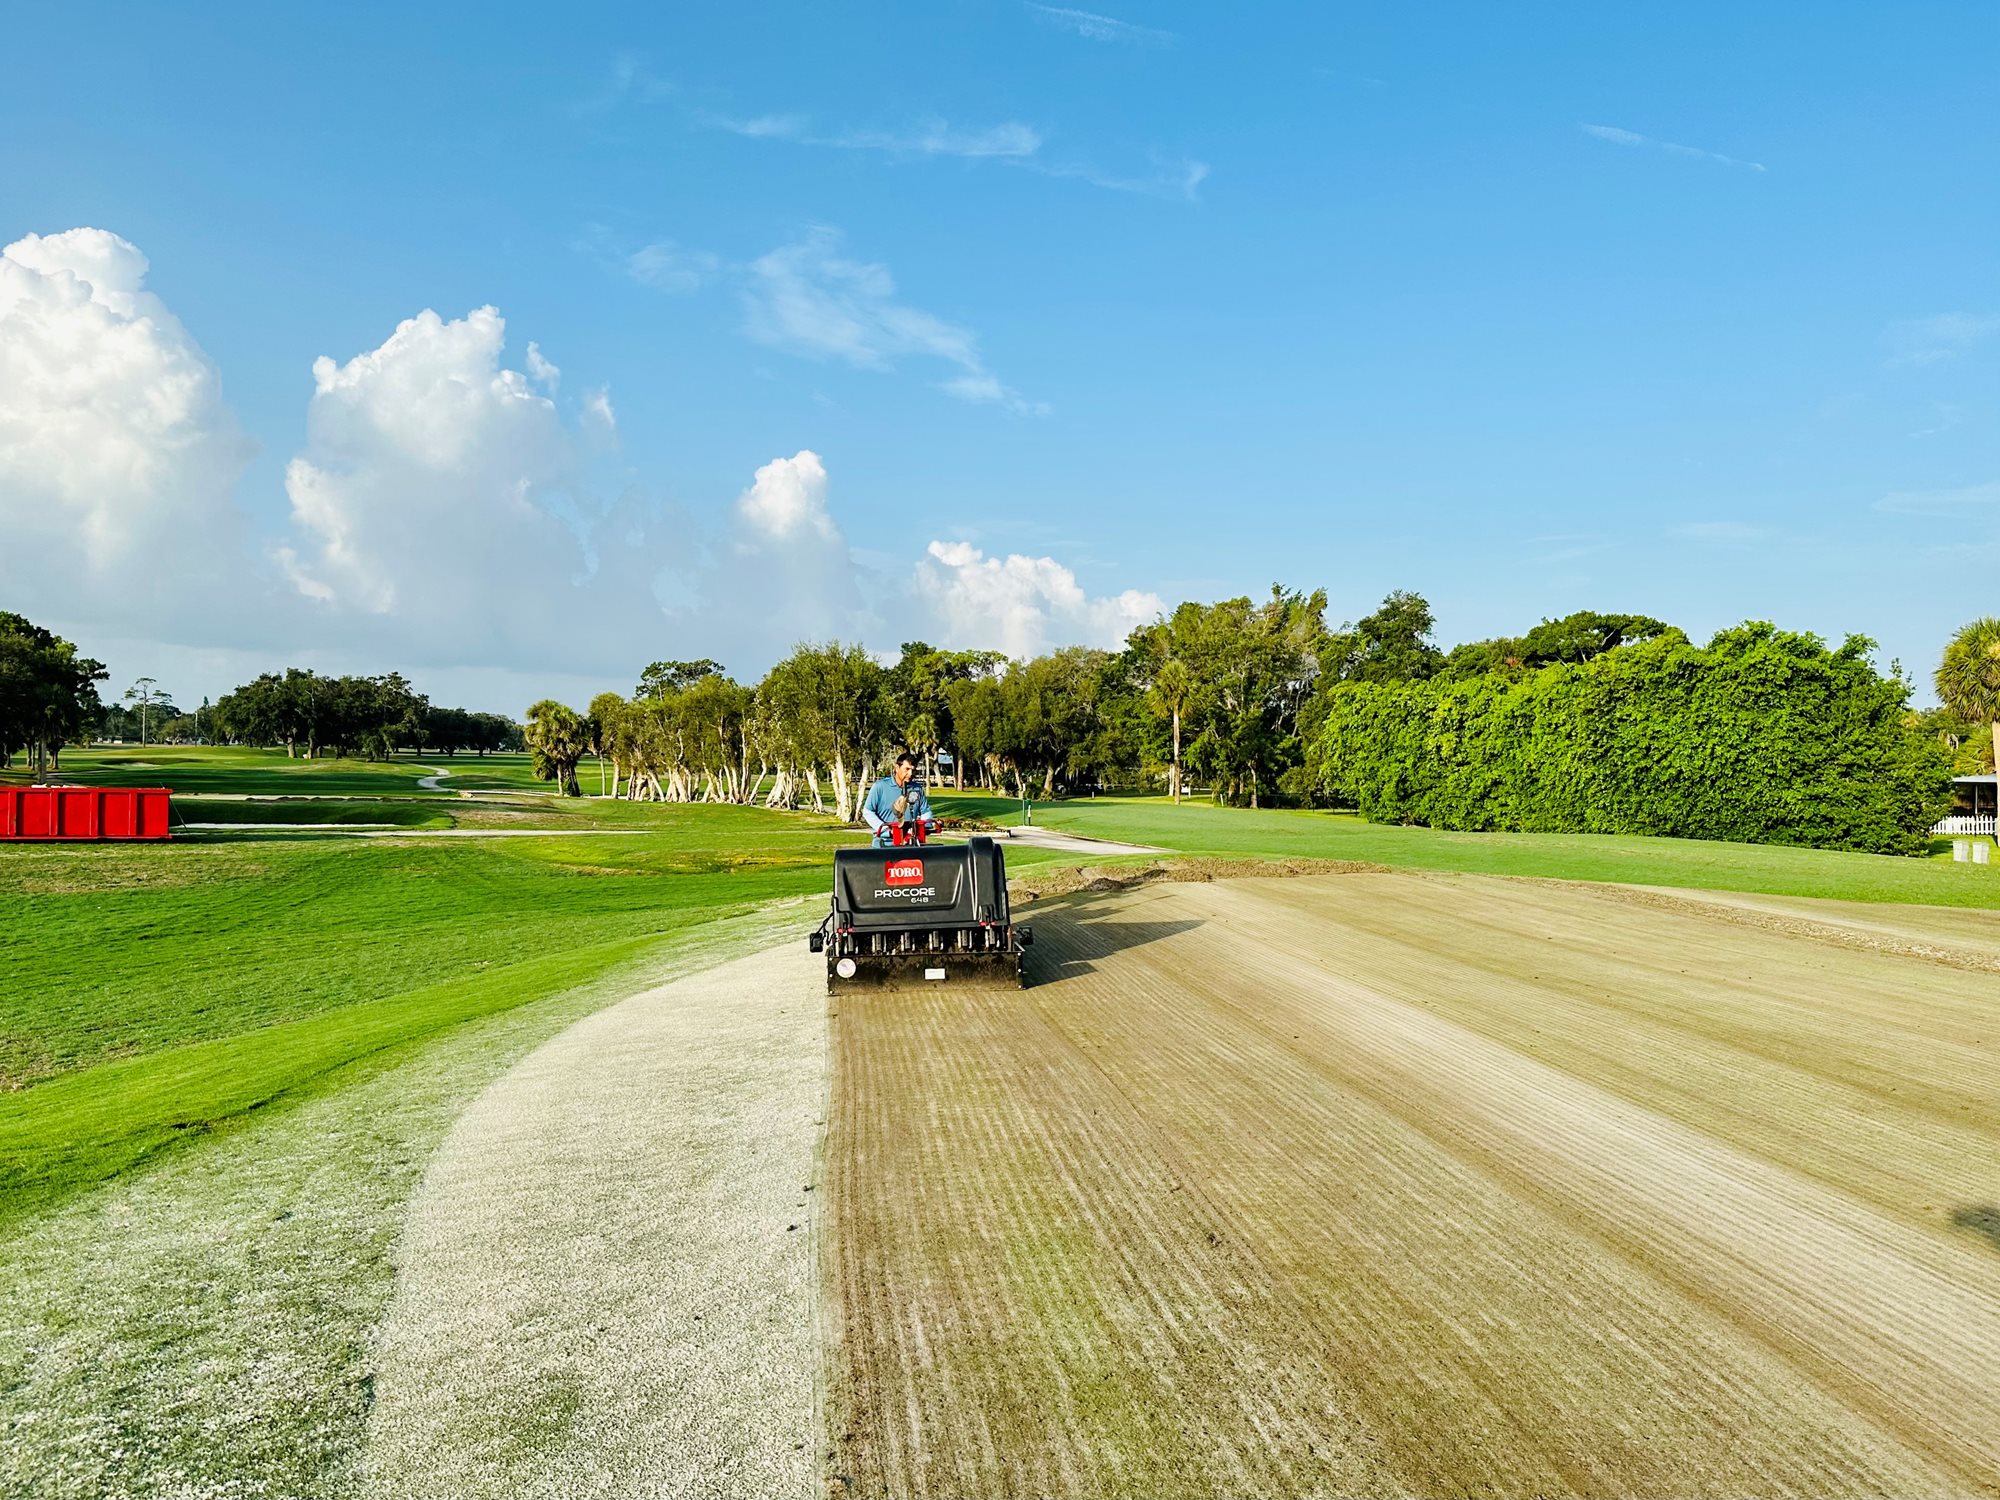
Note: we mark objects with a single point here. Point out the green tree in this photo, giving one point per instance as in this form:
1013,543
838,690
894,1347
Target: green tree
1391,645
1968,676
1164,663
48,693
556,741
664,677
1573,638
145,692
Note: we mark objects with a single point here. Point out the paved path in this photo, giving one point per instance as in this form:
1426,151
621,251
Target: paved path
607,1280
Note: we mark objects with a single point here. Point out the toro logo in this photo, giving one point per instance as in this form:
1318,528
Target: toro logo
904,872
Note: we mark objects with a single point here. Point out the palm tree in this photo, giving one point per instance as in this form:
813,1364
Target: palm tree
1173,691
1968,677
557,738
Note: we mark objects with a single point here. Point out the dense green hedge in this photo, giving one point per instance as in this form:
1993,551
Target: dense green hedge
1762,736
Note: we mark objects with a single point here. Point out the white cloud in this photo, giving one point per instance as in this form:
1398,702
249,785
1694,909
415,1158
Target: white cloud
937,138
436,506
985,387
597,410
788,575
1022,605
1176,181
1011,143
762,127
1923,341
1102,28
788,497
1618,137
1965,500
809,299
545,374
118,455
927,137
668,267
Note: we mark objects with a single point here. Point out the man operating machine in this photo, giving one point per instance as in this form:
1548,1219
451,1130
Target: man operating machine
908,913
895,802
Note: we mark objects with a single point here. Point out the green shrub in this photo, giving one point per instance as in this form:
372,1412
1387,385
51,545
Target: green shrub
1762,736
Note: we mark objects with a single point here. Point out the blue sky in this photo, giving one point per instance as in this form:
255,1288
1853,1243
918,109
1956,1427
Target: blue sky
1688,311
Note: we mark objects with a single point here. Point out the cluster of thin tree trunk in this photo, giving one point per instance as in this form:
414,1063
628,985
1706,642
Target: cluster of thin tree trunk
809,728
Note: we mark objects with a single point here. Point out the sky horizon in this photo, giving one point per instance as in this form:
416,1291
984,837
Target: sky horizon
514,351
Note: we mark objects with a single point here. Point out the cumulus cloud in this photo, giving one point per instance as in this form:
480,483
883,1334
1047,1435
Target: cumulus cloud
810,299
788,499
118,455
441,497
443,516
1022,605
789,574
545,374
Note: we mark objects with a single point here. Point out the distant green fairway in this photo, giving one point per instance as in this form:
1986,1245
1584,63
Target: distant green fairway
1201,827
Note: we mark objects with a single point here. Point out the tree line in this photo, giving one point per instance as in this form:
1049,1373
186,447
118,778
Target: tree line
48,694
1228,695
313,715
1597,722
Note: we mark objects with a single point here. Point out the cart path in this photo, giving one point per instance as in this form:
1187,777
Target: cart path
1407,1183
606,1283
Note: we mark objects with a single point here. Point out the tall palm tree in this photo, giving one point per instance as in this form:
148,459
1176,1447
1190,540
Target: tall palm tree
557,738
1173,690
1968,677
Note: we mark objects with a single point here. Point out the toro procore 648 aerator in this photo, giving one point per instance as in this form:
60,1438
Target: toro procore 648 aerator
918,913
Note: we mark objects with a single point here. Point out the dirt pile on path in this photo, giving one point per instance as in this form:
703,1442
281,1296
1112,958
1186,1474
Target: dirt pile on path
1416,1184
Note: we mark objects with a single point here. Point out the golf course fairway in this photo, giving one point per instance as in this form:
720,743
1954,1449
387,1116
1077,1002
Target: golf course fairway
1386,1183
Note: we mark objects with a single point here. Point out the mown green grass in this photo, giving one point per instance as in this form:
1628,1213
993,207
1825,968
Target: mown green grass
322,812
1204,828
149,992
250,773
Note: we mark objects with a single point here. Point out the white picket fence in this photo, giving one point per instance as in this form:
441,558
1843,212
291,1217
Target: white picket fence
1963,825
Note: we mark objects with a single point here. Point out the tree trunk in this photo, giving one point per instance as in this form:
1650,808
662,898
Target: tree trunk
839,785
1176,774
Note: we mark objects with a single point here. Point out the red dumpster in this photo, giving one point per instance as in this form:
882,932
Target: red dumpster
84,812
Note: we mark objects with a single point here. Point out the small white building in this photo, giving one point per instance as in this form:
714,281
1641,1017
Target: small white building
1975,808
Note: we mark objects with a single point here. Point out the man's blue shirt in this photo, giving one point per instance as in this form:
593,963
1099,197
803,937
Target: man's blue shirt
878,808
